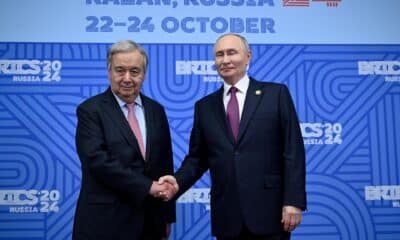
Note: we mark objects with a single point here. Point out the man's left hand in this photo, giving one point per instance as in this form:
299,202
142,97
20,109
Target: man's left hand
291,217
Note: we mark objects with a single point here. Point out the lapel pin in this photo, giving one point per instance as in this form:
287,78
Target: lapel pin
258,92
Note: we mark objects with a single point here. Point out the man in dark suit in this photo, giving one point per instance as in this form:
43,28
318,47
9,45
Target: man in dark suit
124,145
250,140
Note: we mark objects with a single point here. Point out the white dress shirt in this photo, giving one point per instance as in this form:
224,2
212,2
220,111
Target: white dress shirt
242,85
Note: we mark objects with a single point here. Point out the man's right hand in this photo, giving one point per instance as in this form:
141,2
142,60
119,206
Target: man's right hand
163,190
172,189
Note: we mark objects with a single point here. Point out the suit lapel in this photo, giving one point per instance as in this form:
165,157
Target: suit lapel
253,97
149,117
118,119
219,111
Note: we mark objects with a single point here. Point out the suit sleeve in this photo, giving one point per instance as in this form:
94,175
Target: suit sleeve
93,151
170,206
195,163
293,153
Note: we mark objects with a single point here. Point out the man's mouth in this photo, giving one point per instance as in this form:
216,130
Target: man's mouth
226,68
124,88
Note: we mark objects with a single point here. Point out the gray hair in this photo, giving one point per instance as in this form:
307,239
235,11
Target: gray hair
242,39
126,46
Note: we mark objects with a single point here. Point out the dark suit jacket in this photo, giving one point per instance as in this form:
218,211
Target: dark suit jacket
253,178
114,199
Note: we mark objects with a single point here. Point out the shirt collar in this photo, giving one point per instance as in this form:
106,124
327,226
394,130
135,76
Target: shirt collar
121,103
242,85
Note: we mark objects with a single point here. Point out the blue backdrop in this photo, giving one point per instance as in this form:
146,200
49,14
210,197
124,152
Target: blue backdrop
340,60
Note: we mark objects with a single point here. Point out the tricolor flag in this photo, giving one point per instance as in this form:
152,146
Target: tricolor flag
296,3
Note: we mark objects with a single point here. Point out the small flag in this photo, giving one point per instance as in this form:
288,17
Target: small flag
296,3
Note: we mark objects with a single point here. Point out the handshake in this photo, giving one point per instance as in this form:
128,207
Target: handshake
165,188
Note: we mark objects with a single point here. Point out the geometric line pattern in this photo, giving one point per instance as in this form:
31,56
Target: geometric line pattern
37,128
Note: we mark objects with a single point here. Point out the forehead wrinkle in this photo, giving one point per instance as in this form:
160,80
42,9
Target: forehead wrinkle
240,47
226,50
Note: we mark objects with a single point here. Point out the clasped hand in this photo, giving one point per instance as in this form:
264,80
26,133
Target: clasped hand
165,188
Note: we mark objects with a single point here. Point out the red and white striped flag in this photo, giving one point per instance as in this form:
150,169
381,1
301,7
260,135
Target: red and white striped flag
296,3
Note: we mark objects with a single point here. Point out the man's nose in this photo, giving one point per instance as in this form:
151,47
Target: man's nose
226,59
126,76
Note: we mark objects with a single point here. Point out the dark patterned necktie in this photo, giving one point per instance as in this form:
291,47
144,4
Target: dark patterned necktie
232,112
